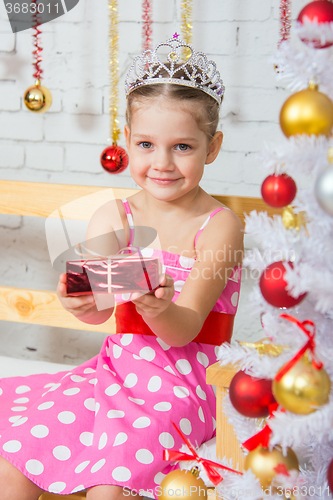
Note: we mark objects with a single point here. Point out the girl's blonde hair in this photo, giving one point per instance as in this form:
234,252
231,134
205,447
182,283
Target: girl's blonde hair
202,106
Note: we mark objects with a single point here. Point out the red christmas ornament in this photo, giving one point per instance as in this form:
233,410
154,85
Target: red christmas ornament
114,159
251,396
273,286
330,475
320,11
278,190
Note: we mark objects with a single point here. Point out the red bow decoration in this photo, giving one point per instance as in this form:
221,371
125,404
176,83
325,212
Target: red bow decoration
309,345
263,436
208,465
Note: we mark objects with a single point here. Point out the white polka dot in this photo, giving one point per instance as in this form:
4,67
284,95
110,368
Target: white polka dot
216,350
147,252
15,418
112,389
186,262
72,391
86,438
20,422
12,446
34,467
234,299
126,296
121,438
166,440
89,370
130,380
144,456
66,417
40,431
154,384
214,423
90,404
121,474
54,387
115,414
141,423
201,415
97,407
106,367
185,426
61,453
164,346
1,391
159,477
22,389
126,339
137,400
178,285
102,441
183,366
181,392
136,357
51,384
163,406
117,350
82,466
45,406
202,359
66,375
21,400
57,487
98,465
169,369
77,378
93,381
147,353
200,393
19,408
78,488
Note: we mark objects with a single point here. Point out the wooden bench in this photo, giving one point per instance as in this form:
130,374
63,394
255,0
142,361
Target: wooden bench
42,307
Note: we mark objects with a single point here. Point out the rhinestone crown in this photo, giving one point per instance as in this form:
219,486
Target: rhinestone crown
197,71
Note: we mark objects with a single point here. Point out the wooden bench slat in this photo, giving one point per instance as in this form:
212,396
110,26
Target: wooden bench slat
42,199
40,307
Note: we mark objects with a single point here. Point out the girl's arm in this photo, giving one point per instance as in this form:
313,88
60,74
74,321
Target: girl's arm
219,249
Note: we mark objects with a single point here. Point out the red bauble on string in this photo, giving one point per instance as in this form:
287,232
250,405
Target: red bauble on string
330,475
114,159
273,286
278,190
251,396
320,11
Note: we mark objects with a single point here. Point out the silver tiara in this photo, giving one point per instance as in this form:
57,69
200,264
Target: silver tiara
148,69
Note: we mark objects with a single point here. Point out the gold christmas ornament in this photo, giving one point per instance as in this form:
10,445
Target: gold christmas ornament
262,462
183,484
264,346
303,388
307,112
37,98
291,220
186,25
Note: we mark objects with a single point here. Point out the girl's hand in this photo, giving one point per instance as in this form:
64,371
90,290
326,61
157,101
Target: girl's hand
154,303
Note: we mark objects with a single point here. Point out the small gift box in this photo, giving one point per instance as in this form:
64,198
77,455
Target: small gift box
117,275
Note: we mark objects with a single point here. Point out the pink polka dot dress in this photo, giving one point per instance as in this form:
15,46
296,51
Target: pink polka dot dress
108,421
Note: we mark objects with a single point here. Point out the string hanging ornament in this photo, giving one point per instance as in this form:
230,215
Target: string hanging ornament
187,25
37,98
114,159
285,22
146,25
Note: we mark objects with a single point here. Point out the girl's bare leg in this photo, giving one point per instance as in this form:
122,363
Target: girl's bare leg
106,492
14,484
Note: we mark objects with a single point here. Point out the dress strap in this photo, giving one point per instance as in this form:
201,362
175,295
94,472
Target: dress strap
206,222
129,220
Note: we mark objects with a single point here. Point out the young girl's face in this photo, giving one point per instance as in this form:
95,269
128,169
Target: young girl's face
167,149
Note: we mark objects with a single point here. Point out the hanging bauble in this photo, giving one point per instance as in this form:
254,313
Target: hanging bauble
330,475
37,98
278,190
262,462
114,159
273,286
324,190
307,112
251,396
320,11
303,388
183,484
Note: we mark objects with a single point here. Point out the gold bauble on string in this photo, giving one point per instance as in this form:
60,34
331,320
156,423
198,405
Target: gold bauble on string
183,484
303,388
262,462
37,98
307,112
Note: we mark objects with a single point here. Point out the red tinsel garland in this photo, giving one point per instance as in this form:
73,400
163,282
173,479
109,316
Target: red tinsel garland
38,49
285,23
147,25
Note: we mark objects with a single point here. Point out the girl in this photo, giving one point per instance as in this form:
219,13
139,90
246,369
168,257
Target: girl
103,426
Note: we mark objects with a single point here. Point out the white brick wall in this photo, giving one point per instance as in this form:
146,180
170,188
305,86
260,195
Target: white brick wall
64,145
